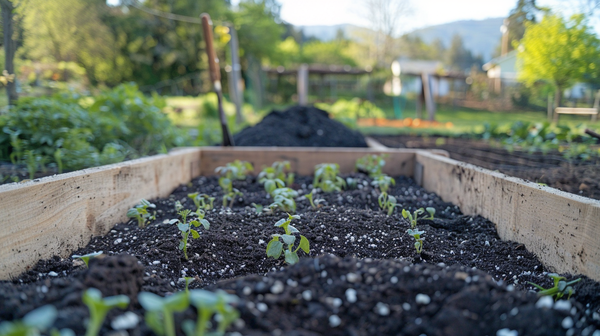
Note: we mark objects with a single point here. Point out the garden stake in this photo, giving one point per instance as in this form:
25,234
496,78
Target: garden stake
215,75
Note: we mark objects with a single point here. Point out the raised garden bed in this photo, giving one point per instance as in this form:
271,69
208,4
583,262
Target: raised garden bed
467,280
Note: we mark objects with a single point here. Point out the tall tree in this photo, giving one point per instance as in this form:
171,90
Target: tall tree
9,48
385,17
559,52
458,57
525,12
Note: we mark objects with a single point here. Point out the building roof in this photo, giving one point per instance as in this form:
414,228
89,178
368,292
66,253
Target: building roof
508,57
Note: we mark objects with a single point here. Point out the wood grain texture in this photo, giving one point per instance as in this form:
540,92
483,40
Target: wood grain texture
562,229
303,160
56,215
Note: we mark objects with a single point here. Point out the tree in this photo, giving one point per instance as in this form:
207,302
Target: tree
559,52
9,48
458,57
385,17
525,12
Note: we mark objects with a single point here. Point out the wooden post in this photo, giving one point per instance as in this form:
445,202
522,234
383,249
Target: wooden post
9,49
550,110
303,85
236,90
428,96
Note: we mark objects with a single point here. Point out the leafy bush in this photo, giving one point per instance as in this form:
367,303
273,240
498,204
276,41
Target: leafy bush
352,109
73,132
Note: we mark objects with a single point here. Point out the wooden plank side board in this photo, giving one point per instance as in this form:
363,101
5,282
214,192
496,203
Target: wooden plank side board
576,110
303,160
58,214
562,229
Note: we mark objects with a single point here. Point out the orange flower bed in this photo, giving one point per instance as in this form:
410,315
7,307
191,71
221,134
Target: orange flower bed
407,122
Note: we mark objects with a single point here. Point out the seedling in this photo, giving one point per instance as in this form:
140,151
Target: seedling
371,164
208,304
178,206
560,288
412,218
159,310
276,173
352,183
383,182
202,201
283,199
326,177
140,212
271,184
99,307
310,199
188,280
431,212
86,258
416,234
34,323
387,203
258,208
275,247
235,170
230,197
186,228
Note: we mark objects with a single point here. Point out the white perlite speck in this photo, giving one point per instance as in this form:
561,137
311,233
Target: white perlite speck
394,280
129,320
277,287
247,290
562,305
423,299
117,241
52,274
334,321
567,322
307,295
406,306
544,302
351,295
507,332
262,307
352,277
382,309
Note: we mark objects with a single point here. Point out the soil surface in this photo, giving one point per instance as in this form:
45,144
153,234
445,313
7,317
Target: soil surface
363,276
299,126
580,178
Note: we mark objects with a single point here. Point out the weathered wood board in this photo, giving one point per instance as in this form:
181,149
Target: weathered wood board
562,229
55,215
303,160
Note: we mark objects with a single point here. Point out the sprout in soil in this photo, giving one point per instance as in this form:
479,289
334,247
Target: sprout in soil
416,234
310,199
431,212
188,280
274,177
99,307
412,218
326,177
560,288
230,197
371,164
283,199
86,258
159,310
275,247
185,227
140,212
34,323
202,201
208,304
383,182
352,183
178,206
387,203
235,170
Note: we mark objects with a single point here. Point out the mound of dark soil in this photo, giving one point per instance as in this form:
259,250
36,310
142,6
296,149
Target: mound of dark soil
299,126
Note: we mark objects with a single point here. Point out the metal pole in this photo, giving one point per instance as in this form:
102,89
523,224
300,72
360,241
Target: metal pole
303,85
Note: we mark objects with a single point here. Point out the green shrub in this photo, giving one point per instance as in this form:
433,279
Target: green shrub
74,132
352,109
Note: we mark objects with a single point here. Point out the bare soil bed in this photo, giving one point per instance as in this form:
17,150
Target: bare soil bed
577,177
363,276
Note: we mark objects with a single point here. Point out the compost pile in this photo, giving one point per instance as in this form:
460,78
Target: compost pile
362,277
299,126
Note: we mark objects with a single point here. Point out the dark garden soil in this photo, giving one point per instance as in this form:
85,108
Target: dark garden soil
299,126
580,178
363,276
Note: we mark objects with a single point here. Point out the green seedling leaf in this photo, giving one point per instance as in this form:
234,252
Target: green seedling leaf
41,318
205,224
405,213
288,239
431,212
304,244
195,234
86,258
99,307
181,245
291,257
293,229
281,222
274,249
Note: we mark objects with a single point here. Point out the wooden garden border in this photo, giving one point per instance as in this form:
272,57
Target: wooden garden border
56,215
